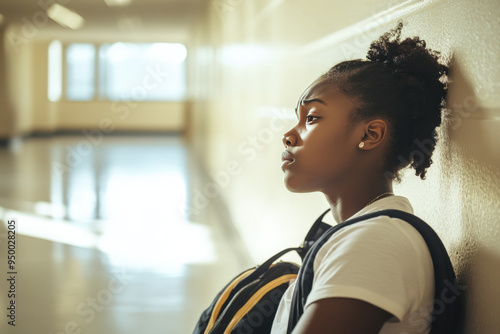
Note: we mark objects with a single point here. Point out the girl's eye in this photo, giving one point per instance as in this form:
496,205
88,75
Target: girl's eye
311,118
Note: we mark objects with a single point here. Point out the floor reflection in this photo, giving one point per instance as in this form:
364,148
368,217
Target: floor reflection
104,245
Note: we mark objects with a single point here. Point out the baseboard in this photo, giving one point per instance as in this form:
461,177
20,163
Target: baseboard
79,132
6,142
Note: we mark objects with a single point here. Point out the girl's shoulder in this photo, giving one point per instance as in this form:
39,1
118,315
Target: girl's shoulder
382,231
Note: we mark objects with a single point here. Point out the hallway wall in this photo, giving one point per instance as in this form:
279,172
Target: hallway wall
26,106
254,58
5,120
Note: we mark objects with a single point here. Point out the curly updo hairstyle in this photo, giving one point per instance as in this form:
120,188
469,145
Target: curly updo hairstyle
404,83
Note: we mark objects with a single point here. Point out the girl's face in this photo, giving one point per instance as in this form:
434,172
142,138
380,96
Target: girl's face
321,149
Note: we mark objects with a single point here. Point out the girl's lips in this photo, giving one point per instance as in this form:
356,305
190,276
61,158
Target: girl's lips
285,164
287,159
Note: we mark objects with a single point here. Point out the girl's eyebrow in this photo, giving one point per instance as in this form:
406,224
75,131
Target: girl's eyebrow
309,101
314,100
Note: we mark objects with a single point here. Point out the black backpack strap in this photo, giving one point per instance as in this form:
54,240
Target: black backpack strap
446,308
315,232
259,270
317,229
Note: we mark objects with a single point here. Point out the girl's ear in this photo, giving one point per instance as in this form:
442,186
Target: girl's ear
374,133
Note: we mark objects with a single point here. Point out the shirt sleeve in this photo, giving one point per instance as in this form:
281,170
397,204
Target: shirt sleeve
377,261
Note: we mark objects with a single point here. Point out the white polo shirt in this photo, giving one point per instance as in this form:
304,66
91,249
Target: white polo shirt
383,261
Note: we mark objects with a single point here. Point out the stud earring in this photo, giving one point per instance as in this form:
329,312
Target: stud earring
362,144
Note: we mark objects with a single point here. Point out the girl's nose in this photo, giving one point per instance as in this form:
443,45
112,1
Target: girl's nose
289,140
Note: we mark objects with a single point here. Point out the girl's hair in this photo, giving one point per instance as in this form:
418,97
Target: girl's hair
403,83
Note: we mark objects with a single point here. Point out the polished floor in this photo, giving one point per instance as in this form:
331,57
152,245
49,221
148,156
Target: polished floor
109,239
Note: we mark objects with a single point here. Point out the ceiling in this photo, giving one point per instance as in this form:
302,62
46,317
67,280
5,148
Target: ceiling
154,18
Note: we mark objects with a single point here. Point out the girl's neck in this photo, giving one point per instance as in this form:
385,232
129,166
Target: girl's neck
345,204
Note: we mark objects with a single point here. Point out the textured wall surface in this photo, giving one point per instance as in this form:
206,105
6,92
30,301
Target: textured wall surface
252,60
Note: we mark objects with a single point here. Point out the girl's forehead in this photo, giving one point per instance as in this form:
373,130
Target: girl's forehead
328,93
319,88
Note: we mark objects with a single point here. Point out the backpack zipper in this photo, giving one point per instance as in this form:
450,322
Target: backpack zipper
255,298
221,317
222,299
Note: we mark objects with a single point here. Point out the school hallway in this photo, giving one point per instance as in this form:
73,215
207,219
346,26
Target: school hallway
108,241
142,147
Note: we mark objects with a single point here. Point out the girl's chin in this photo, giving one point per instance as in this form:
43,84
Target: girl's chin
295,186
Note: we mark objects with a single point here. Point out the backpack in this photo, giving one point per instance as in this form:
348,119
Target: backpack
248,303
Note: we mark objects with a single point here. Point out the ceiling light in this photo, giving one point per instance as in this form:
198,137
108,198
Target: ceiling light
115,3
64,16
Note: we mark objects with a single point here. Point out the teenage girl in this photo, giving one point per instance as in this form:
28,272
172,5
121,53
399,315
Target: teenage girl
358,126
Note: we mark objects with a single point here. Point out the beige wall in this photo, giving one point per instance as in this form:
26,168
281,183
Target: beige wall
254,58
26,66
5,119
18,76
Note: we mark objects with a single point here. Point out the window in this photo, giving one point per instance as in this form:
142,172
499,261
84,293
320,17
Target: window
54,91
80,79
142,71
126,72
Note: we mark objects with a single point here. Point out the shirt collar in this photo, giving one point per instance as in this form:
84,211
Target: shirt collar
390,202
